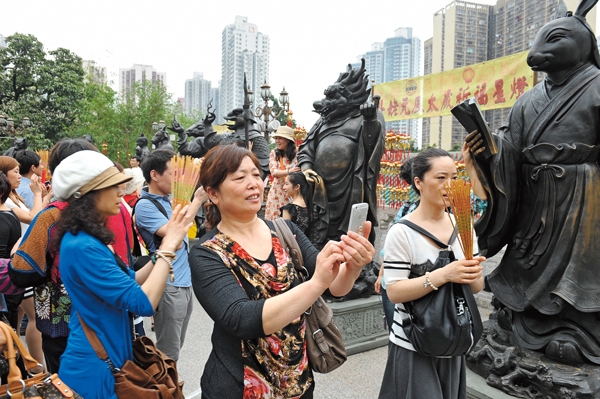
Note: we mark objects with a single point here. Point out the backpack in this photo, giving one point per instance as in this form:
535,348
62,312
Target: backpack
140,260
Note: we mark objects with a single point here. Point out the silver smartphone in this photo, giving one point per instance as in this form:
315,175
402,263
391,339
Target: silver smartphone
358,217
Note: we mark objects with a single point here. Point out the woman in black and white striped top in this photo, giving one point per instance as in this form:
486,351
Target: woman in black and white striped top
409,374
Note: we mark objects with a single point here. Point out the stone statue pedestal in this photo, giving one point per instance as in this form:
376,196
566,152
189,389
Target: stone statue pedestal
361,323
524,373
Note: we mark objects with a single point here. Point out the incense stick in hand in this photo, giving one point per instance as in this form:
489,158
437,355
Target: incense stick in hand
459,196
185,172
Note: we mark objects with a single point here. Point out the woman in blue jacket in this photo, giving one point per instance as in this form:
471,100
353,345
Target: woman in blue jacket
103,290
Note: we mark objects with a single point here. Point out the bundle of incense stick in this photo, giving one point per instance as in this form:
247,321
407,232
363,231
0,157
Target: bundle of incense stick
185,172
459,196
44,161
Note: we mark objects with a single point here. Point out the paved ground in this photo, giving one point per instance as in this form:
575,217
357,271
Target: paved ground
358,378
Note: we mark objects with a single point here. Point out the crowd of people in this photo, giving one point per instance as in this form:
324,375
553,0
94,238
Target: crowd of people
71,243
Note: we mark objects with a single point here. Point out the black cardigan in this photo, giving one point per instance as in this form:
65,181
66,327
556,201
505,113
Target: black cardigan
236,316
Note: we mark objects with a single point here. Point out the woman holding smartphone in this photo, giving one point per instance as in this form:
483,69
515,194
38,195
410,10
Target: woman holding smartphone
247,284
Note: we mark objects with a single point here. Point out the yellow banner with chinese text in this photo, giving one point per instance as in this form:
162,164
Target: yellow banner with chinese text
496,84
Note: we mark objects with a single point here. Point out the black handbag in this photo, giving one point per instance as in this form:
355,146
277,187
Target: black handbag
324,344
445,322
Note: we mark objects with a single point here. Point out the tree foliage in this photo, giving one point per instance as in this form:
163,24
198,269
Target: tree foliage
114,124
45,87
282,118
50,89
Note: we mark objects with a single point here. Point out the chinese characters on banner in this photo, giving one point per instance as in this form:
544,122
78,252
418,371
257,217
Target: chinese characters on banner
495,84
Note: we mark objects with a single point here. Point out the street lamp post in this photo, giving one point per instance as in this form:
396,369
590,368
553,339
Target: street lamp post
158,126
266,112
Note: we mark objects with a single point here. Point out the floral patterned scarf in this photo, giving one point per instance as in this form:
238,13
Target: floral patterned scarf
275,366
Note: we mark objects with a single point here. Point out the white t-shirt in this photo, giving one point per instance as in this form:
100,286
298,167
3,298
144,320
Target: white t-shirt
11,204
405,247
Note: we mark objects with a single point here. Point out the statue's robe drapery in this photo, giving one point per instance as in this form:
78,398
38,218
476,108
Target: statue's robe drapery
544,203
346,154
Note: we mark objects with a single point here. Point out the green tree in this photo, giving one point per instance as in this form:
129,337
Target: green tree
283,117
115,124
47,88
182,117
456,148
98,116
413,146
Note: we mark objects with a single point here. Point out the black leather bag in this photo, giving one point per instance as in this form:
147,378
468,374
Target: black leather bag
445,322
324,344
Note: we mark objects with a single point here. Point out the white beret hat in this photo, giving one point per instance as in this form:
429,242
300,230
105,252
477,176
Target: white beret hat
82,172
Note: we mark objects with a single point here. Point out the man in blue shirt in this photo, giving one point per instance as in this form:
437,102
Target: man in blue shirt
175,308
29,164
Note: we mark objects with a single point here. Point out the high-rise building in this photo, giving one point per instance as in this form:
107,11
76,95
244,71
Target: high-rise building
215,94
244,50
402,60
399,57
94,72
138,73
197,94
374,63
427,68
460,38
466,33
2,41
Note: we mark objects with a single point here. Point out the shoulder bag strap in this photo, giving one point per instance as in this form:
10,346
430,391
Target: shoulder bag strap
96,344
428,234
289,243
136,244
129,246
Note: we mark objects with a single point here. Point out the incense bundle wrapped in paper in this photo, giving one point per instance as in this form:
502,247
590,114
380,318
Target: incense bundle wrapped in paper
44,161
185,172
459,196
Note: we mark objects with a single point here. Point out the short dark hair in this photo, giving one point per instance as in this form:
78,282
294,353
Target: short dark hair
27,159
420,164
137,158
67,147
218,163
5,187
157,160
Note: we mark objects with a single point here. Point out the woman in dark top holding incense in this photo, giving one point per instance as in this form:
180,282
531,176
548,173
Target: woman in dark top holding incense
247,284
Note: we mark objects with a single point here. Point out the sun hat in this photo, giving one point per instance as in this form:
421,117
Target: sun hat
82,172
284,131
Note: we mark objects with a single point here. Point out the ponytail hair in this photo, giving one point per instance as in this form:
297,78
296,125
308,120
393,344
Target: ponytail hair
298,178
212,214
420,164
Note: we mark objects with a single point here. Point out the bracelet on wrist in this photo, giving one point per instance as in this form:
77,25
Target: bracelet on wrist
428,282
168,254
159,254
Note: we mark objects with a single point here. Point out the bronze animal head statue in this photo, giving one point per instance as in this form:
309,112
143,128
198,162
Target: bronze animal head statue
20,144
237,116
566,43
161,137
346,95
